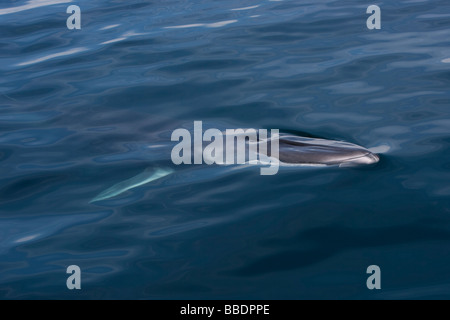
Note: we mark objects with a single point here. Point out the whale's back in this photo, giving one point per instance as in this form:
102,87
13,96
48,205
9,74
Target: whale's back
302,150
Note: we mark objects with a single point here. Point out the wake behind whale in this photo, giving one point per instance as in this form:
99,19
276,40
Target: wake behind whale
292,151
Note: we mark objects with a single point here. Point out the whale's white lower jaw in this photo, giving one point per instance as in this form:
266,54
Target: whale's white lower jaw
369,158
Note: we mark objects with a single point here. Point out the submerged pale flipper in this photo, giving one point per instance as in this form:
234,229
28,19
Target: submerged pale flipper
137,181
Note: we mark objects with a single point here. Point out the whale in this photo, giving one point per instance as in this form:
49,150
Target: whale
294,151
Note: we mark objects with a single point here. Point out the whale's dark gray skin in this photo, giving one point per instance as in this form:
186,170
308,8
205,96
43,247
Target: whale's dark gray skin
293,151
300,150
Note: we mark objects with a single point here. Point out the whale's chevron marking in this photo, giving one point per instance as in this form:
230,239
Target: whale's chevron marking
137,181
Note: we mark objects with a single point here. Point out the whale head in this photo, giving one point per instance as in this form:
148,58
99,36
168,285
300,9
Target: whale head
302,150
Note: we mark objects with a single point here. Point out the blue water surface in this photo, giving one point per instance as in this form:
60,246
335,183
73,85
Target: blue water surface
81,110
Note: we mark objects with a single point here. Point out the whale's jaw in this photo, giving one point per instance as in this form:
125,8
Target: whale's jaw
367,159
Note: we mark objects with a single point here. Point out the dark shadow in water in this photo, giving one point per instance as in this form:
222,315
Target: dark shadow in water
328,241
27,187
4,154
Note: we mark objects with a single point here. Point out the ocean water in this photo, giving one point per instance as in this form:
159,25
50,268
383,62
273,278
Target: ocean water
81,110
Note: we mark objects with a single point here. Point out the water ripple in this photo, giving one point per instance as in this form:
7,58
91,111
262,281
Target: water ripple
83,110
